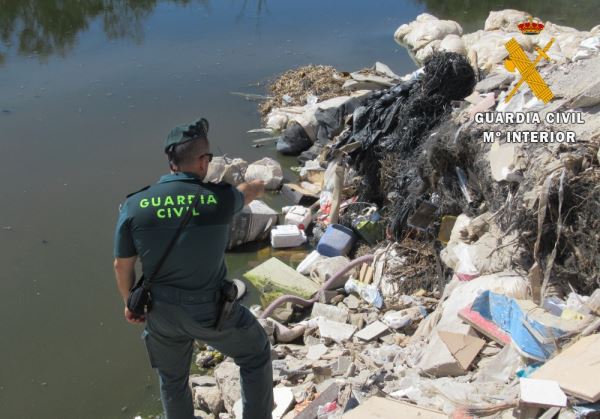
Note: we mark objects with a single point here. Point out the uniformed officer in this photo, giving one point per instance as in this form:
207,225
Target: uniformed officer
186,290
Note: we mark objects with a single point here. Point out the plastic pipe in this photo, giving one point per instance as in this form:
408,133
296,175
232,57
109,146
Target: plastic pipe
307,303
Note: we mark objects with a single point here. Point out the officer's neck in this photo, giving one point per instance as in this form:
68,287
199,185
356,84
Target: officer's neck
198,173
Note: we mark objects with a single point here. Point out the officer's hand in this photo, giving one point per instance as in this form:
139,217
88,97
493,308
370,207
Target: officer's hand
259,187
252,190
133,318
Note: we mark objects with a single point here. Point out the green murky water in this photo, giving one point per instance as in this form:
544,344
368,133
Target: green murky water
88,90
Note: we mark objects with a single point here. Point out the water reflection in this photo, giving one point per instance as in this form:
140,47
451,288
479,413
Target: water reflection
581,14
47,27
261,7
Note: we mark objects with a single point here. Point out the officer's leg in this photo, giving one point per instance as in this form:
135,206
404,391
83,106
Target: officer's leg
171,356
247,343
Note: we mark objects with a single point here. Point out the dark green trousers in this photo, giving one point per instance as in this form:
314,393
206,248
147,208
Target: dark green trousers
169,336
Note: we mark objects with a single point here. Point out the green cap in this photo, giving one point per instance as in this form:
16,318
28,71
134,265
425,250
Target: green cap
183,133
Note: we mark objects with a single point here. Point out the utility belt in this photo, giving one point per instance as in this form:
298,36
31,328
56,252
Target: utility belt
173,295
225,297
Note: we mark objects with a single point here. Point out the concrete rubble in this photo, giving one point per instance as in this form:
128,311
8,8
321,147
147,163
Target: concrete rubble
481,298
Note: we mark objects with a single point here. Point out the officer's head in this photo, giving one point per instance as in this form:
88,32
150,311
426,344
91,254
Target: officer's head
188,149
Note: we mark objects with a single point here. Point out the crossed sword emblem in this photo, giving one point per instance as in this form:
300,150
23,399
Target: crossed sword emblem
517,59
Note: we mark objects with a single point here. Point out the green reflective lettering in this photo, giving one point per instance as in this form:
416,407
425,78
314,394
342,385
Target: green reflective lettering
178,211
195,212
144,203
191,198
160,213
169,201
180,200
156,201
211,199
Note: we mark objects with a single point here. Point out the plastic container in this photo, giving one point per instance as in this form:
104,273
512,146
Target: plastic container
298,215
336,241
309,261
287,236
370,231
446,227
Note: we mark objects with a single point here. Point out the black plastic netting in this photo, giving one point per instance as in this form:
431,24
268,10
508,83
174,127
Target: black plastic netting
392,126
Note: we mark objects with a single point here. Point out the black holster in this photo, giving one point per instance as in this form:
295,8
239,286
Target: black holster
139,300
228,297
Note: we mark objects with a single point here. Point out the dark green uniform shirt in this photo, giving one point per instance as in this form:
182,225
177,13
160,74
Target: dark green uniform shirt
148,220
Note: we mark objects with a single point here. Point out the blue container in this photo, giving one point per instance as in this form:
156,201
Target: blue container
337,241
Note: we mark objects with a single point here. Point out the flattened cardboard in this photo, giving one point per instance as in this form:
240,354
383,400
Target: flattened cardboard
372,331
576,369
462,347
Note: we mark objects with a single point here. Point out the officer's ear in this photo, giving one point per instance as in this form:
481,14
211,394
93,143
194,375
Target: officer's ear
171,160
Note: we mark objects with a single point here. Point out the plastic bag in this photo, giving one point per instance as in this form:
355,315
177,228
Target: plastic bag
331,194
402,318
465,268
369,293
329,410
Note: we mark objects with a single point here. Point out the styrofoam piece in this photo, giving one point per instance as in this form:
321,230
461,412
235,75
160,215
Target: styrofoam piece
299,216
287,236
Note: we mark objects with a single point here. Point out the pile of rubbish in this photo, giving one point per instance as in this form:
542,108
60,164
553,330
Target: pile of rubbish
291,88
447,275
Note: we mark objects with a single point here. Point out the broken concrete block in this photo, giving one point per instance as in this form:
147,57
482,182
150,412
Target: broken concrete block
329,312
382,81
384,69
352,302
587,98
463,347
361,379
227,375
358,320
315,352
339,332
342,364
372,331
283,398
274,278
208,398
380,408
494,82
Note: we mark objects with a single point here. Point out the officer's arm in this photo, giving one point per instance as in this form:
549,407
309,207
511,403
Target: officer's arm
125,274
252,190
